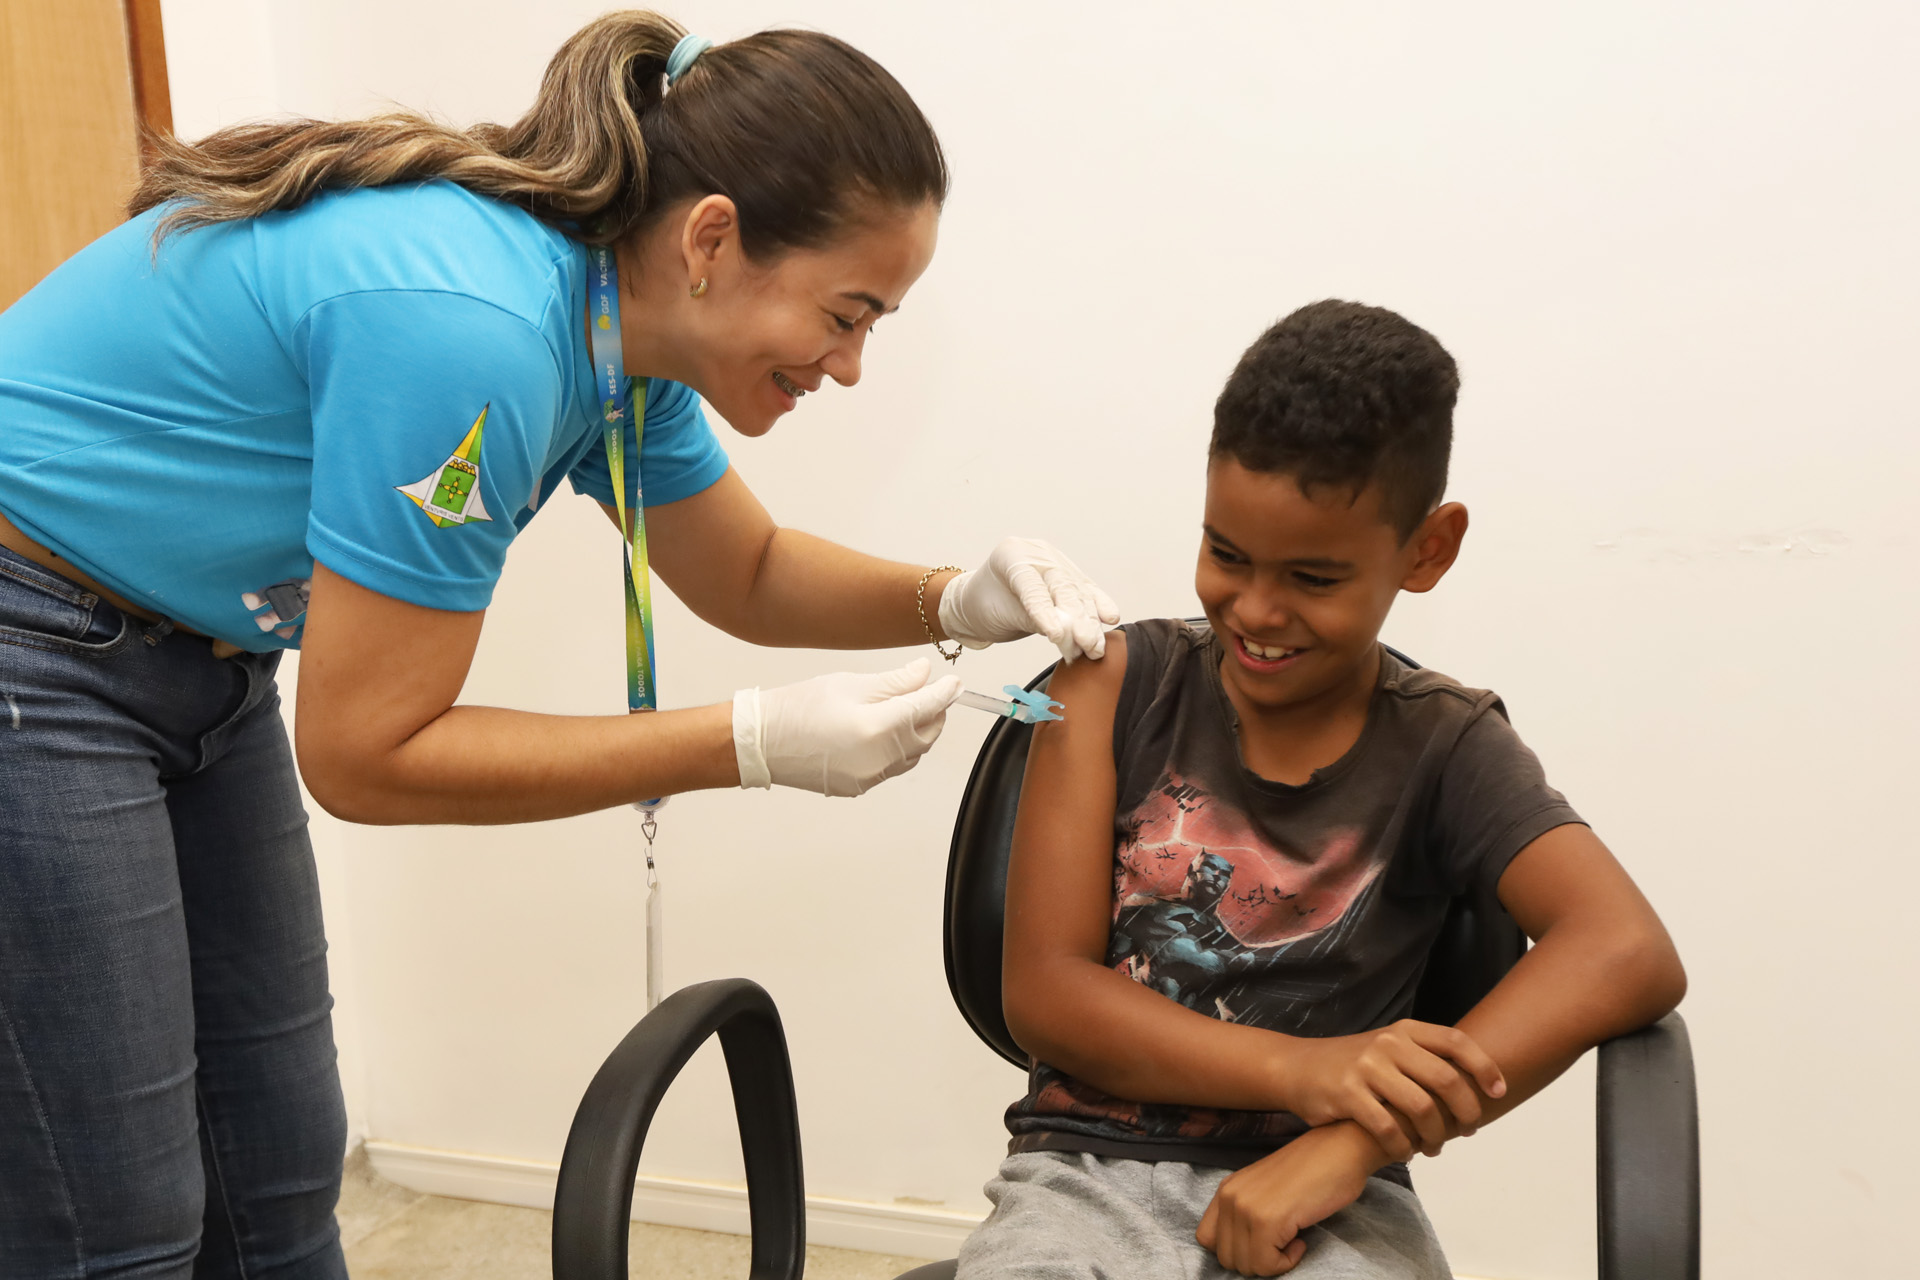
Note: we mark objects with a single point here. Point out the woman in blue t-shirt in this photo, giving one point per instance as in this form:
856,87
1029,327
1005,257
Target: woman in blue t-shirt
306,398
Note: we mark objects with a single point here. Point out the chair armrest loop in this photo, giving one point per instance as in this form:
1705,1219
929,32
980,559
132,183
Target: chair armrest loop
594,1201
1649,1155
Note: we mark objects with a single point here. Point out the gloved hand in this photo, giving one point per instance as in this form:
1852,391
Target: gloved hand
1027,587
840,734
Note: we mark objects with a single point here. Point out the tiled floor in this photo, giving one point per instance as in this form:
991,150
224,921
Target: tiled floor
395,1234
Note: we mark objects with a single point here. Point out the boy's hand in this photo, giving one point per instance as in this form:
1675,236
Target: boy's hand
1421,1071
1253,1225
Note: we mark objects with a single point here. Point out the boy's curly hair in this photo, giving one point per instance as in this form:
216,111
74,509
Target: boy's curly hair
1345,395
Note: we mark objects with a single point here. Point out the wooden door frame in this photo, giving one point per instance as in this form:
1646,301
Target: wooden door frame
147,55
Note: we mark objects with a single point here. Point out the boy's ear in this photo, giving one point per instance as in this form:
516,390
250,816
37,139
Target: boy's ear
1434,546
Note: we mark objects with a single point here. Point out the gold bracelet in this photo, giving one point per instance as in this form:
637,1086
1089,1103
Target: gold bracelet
920,602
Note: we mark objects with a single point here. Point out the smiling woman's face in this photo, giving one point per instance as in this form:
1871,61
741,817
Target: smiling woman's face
765,335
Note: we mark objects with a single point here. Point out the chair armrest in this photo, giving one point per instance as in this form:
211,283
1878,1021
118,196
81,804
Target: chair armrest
594,1201
1649,1156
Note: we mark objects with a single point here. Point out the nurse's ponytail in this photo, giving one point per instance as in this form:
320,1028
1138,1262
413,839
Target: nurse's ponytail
801,130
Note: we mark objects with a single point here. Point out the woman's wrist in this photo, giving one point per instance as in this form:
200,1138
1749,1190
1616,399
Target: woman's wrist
928,592
724,754
696,751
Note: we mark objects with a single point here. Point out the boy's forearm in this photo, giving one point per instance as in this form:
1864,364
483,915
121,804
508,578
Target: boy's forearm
1575,988
1105,1029
1110,1032
1535,1031
1601,965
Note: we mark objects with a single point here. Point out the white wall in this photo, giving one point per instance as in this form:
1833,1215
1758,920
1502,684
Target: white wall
1671,247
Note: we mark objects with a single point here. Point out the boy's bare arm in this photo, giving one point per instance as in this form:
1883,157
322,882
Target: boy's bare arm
1062,1003
1602,965
1065,1006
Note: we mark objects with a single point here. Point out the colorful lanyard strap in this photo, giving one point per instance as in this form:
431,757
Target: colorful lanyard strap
610,376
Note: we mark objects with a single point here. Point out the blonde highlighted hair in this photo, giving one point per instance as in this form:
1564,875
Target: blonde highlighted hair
799,129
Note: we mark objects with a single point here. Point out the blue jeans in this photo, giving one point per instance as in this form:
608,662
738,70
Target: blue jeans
169,1101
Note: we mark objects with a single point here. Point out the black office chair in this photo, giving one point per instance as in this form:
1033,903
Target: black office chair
1649,1154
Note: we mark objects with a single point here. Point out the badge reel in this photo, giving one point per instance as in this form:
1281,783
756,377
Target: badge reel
650,827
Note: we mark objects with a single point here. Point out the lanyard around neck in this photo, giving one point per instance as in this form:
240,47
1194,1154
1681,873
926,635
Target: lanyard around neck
610,382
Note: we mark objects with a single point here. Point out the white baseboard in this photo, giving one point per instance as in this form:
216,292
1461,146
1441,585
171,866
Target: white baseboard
903,1230
906,1231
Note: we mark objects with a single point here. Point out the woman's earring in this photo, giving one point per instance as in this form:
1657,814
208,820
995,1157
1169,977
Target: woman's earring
699,290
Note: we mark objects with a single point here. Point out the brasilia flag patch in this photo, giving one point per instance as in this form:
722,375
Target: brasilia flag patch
451,495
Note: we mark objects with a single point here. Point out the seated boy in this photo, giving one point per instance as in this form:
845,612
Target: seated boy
1234,853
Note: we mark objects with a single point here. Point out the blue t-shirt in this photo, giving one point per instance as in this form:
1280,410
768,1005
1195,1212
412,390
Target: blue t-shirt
391,381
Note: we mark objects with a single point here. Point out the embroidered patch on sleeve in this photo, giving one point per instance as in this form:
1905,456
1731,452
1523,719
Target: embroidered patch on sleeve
451,495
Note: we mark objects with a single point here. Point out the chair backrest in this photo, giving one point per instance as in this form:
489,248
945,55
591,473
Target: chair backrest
1477,945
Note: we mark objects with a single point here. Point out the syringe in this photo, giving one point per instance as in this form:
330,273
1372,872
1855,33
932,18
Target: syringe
1026,706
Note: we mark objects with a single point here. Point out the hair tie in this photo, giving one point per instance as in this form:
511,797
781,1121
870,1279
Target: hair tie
685,54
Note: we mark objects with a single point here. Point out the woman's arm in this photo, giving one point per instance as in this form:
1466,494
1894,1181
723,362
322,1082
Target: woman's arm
723,555
380,740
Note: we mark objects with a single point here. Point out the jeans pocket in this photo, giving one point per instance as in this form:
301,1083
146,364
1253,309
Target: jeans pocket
44,610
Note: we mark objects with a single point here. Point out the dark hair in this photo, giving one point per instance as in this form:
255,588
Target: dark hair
1340,394
803,132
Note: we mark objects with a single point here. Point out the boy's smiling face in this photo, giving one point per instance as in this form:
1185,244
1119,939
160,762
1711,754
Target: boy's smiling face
1298,585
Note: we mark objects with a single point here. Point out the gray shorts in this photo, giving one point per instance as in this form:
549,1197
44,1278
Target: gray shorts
1066,1216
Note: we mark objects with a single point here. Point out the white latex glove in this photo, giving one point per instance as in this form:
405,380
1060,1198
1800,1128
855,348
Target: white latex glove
1028,587
843,733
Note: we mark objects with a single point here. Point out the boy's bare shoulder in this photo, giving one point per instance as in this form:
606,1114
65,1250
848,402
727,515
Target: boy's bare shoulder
1100,677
